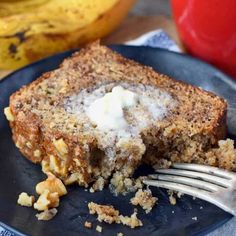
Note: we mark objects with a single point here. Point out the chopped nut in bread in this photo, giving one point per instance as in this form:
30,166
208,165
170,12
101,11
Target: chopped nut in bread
61,147
75,178
37,153
25,200
45,166
8,114
56,165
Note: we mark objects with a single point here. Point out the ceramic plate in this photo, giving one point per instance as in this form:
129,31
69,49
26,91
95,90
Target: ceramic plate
17,174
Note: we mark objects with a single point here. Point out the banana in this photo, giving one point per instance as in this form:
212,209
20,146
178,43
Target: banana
33,29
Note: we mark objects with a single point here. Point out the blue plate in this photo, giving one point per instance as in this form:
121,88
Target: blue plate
17,174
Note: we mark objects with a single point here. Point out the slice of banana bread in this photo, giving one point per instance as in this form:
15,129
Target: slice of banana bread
60,119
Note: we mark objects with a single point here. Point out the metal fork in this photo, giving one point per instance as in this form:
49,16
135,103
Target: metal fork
209,183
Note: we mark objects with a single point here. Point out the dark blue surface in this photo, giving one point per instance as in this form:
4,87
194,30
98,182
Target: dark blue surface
17,174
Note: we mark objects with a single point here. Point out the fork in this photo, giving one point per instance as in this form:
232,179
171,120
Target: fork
209,183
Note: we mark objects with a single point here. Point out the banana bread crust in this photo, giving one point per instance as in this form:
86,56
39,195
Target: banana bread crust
199,118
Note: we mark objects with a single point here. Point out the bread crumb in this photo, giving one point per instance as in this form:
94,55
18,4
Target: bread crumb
144,199
131,221
110,215
91,190
99,184
194,218
119,184
179,194
25,200
105,213
99,228
88,224
223,156
47,214
162,164
172,198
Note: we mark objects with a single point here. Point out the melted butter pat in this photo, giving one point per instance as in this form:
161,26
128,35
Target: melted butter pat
107,112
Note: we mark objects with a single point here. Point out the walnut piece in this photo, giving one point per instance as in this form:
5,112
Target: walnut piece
47,214
88,224
25,200
47,200
45,166
52,184
99,228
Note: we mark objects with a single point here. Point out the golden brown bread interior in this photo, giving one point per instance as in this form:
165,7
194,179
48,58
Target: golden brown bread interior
45,132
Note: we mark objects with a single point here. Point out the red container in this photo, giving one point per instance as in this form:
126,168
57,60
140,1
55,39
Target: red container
208,30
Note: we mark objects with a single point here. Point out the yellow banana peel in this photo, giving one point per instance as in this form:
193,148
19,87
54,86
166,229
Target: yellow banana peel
33,29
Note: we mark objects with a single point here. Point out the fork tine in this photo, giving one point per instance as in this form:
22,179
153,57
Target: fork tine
205,195
205,169
196,175
202,194
188,181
